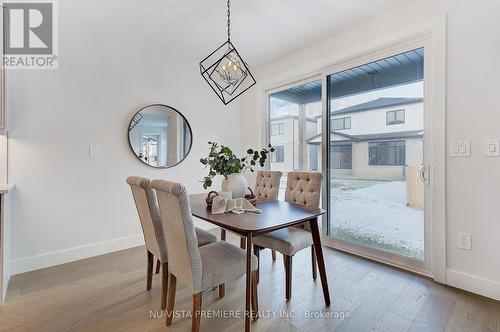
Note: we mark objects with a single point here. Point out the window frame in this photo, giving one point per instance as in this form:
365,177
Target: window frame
395,122
281,128
274,154
395,153
332,154
344,127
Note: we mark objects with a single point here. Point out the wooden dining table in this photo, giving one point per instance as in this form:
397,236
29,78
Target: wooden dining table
275,215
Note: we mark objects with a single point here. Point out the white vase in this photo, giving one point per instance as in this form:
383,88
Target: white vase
235,183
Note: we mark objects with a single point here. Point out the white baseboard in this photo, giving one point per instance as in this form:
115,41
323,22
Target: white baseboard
474,284
6,279
41,261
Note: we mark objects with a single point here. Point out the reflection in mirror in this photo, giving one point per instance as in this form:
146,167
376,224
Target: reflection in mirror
159,136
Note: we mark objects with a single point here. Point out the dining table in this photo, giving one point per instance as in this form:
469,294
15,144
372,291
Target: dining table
275,215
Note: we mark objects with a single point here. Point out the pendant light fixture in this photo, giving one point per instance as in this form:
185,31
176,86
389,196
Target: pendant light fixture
224,69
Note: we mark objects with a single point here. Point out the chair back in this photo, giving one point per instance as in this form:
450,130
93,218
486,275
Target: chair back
304,188
184,259
267,185
149,216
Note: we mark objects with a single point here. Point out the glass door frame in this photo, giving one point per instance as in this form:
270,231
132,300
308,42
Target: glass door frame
421,267
432,37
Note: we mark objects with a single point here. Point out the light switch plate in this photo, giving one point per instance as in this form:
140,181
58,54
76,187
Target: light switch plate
460,148
492,147
464,241
94,151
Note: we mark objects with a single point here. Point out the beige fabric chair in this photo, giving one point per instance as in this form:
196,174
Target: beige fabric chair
302,189
198,269
149,216
267,185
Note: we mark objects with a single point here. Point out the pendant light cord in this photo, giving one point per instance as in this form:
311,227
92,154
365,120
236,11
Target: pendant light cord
228,20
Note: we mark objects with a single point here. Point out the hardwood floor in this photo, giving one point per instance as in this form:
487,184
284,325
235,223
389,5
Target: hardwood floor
107,293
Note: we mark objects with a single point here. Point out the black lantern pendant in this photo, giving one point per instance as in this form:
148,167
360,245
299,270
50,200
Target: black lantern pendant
224,69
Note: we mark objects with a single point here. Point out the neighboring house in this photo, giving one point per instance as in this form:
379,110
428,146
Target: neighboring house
375,139
285,135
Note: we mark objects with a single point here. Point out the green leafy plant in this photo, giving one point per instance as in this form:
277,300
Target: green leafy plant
222,161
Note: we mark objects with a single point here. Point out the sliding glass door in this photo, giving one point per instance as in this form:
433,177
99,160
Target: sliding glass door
363,127
295,115
376,147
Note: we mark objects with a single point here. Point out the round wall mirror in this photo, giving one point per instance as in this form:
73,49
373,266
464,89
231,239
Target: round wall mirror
159,136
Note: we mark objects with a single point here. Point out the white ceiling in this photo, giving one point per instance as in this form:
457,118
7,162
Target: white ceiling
261,29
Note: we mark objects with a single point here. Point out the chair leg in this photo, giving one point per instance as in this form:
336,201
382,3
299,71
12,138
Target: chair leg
314,263
222,234
288,277
164,285
256,252
273,253
255,296
222,290
172,284
196,314
158,264
149,276
243,244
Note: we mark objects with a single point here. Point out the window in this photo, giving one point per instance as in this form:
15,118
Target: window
342,123
278,156
277,129
387,153
341,156
395,117
149,152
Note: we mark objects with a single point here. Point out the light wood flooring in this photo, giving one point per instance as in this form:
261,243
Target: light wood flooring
107,293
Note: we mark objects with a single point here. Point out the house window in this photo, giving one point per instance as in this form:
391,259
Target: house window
277,129
341,156
391,153
342,123
395,117
278,156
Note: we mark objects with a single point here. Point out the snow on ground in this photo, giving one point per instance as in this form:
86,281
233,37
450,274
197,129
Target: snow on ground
374,213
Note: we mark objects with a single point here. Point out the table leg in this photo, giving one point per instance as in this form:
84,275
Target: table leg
320,259
249,283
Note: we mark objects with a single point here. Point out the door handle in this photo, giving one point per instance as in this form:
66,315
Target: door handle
424,174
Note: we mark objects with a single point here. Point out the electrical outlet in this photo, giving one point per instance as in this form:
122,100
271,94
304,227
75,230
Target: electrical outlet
492,147
464,241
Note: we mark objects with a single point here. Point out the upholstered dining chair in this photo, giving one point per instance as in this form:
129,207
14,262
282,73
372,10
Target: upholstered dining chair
197,268
303,189
154,237
267,186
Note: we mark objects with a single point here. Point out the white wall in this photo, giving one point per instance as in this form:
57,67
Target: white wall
472,111
66,205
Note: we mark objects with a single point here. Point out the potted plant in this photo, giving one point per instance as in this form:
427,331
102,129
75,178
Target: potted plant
222,161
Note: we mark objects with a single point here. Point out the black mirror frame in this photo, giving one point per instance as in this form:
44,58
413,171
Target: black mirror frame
185,120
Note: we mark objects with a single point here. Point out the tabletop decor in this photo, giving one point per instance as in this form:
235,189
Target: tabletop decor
224,69
223,205
222,161
251,197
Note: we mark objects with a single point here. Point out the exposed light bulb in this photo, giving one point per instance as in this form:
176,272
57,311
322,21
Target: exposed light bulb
232,72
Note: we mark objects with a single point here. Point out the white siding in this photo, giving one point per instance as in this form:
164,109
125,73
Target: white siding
374,121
